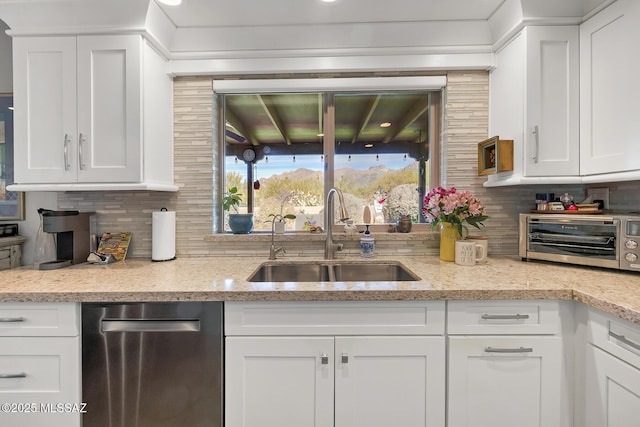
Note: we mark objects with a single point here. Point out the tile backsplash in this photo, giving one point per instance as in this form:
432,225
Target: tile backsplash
466,112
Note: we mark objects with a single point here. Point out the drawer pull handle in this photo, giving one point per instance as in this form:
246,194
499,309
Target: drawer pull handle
509,350
624,340
324,359
536,132
504,316
11,319
81,141
150,325
20,375
67,141
345,358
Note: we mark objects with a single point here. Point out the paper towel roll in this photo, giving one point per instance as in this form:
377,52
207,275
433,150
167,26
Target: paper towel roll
163,235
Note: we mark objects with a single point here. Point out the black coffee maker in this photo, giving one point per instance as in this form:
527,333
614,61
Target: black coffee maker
71,230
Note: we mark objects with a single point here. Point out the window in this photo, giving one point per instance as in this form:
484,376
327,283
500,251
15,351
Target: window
284,150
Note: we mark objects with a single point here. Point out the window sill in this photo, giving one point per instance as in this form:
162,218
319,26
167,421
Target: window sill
301,236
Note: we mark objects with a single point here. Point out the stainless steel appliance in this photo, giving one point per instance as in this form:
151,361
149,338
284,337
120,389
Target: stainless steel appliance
71,230
152,364
610,241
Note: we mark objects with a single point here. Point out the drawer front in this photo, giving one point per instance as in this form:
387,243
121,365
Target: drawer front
494,317
39,319
335,318
616,336
37,376
5,253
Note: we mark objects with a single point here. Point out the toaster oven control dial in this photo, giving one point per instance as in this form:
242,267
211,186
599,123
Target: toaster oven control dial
630,244
631,257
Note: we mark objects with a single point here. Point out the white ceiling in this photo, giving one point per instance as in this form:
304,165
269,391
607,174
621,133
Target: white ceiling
243,13
203,13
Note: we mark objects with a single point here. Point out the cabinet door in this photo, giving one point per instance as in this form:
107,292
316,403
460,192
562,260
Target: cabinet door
552,106
279,381
612,391
40,383
507,97
109,109
45,109
506,382
610,89
390,381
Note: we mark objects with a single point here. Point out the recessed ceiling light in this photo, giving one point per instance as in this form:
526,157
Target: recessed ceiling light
368,145
170,2
320,134
385,124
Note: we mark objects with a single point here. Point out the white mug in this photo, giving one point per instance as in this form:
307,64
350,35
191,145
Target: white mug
468,252
484,242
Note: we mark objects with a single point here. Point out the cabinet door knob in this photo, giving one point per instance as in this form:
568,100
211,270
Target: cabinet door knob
324,359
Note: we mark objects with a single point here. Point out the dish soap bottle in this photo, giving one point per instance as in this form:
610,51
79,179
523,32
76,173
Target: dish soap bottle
367,243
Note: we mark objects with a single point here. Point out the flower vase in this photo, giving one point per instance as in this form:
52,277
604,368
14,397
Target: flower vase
404,224
448,236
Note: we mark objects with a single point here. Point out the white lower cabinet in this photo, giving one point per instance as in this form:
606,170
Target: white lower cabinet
505,381
335,381
279,381
509,364
612,392
40,365
342,379
612,367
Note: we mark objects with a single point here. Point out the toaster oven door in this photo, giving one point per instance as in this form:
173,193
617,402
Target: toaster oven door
572,240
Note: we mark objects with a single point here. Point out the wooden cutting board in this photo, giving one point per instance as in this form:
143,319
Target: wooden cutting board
566,212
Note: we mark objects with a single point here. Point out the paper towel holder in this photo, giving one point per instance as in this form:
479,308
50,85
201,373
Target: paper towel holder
153,259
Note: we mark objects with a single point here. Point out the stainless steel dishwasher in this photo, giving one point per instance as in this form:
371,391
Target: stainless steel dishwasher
152,364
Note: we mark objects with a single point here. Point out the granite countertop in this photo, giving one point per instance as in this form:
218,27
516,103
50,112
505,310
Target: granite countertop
225,279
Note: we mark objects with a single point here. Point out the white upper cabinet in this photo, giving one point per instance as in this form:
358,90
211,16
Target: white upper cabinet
45,105
534,101
83,114
610,89
552,137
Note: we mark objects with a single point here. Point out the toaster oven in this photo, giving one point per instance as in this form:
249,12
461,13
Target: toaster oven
609,241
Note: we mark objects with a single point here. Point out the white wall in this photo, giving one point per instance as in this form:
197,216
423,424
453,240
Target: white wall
6,62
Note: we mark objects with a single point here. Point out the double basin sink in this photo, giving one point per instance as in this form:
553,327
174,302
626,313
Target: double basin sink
327,271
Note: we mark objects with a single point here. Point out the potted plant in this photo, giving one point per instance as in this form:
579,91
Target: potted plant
238,223
451,208
277,222
401,207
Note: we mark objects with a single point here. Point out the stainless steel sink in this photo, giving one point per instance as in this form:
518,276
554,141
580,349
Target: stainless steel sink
373,272
316,271
306,272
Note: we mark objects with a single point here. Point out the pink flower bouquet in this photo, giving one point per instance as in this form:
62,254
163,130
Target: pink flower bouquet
453,206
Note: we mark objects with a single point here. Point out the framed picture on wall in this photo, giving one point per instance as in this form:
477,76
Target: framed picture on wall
495,155
11,202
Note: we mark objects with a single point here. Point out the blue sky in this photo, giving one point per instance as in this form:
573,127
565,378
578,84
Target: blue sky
279,164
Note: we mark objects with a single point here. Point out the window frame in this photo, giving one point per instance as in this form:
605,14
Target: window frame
329,87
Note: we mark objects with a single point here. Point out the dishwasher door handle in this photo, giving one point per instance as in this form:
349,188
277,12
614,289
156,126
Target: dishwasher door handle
118,325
